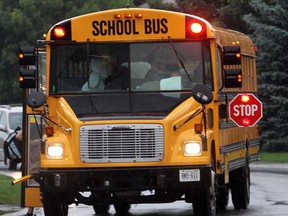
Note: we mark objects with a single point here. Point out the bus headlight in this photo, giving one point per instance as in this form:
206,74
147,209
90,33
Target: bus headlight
55,151
192,148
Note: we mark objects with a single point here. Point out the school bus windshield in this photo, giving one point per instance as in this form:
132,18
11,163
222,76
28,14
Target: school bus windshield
110,70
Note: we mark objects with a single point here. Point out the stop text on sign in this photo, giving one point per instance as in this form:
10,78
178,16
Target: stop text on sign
245,110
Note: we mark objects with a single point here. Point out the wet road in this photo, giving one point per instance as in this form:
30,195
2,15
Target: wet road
269,197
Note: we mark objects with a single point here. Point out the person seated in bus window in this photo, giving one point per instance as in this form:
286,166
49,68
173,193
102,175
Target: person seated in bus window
160,77
119,80
160,70
99,72
164,64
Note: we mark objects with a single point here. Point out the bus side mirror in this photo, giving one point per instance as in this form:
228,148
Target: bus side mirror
231,55
36,99
202,94
233,78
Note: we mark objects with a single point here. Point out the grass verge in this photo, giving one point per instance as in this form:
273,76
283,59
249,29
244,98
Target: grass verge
9,195
274,157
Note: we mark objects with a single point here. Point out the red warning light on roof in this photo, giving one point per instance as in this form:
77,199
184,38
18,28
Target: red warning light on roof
59,32
196,28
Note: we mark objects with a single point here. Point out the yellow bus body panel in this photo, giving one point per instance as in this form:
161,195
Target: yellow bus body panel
33,197
173,151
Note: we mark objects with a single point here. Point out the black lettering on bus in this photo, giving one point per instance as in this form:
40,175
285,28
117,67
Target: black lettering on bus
134,27
95,25
164,28
155,26
128,27
111,27
103,29
147,26
119,27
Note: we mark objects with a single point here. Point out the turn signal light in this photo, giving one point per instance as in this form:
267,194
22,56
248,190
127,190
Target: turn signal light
49,131
198,128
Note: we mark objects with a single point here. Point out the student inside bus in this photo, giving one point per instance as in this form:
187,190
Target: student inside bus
98,73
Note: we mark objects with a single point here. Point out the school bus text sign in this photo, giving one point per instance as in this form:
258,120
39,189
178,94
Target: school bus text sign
245,110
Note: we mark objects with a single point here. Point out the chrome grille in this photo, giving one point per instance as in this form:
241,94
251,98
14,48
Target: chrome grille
121,143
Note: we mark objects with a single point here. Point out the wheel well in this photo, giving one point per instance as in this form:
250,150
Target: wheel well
213,154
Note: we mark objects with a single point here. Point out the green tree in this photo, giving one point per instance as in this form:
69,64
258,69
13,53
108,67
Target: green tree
207,9
23,22
269,23
231,13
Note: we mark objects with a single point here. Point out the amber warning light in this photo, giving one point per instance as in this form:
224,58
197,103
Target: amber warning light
20,55
21,79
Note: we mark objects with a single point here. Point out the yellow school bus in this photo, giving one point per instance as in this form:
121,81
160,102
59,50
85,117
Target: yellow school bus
132,107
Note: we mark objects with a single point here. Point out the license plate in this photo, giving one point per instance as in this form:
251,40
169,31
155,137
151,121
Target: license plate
190,175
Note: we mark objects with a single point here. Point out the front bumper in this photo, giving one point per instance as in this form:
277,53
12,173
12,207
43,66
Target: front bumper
121,179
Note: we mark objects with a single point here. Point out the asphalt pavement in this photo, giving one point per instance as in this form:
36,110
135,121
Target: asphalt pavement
280,168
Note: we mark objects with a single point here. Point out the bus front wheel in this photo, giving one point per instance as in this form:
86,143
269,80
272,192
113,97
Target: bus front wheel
204,200
122,208
54,204
101,209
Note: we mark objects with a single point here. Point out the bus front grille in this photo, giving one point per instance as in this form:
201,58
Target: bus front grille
121,143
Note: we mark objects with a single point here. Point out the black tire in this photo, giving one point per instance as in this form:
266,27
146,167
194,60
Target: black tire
54,204
222,198
101,209
204,201
122,208
240,187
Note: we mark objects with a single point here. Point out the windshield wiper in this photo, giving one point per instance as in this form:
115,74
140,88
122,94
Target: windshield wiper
179,59
199,110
